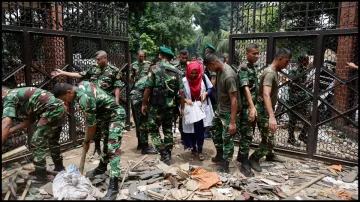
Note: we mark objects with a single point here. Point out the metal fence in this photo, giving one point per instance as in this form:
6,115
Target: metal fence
327,32
39,37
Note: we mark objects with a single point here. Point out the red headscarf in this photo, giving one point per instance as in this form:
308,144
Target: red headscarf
195,84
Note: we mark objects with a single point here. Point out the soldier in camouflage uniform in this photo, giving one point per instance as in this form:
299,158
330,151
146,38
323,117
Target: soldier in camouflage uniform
106,76
136,96
226,120
266,101
297,95
139,69
99,105
163,83
36,104
249,86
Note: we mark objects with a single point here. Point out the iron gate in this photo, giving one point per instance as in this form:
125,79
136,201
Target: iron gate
331,119
39,37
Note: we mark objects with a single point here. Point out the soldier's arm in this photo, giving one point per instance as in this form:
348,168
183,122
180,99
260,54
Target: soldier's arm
117,85
20,126
58,72
88,106
5,128
248,97
268,78
149,83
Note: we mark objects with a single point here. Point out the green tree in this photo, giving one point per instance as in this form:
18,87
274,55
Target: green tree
212,16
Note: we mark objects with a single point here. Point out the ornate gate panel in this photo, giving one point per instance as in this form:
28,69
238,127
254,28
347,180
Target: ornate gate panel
322,101
39,37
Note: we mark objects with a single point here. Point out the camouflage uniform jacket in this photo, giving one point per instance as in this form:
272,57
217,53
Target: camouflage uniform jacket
107,79
138,70
137,92
247,75
95,102
28,101
172,79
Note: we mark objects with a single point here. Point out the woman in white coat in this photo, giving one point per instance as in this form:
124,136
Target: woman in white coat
197,87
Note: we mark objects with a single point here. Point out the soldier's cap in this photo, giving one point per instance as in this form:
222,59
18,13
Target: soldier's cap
225,55
210,46
167,51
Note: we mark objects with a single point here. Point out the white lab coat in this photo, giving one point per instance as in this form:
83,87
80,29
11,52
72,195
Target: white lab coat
189,128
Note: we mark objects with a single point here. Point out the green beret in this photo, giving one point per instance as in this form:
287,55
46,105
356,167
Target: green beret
165,50
225,55
210,46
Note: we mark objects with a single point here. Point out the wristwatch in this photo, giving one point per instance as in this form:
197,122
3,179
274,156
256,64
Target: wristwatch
87,142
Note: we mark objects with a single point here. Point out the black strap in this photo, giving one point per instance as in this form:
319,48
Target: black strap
203,78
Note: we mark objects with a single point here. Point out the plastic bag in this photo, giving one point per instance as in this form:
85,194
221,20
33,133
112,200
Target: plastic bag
70,184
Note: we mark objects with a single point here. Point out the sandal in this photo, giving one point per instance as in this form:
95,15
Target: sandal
201,156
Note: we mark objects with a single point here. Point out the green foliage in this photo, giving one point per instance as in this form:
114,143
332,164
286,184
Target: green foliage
148,45
212,16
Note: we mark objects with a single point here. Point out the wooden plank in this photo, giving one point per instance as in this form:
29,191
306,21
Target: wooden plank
28,184
14,152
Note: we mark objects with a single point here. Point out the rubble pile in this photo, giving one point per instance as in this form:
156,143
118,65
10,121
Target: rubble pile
153,180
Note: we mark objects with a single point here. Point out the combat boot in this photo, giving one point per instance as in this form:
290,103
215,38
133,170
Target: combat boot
39,179
168,150
165,157
113,189
145,149
59,166
224,166
273,157
245,167
218,157
139,145
101,169
254,163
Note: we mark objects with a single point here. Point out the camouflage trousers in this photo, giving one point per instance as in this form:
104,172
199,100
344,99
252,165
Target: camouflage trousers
245,131
141,123
47,132
115,123
223,141
161,116
267,138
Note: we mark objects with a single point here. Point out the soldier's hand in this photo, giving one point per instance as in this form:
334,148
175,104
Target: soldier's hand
86,146
56,72
253,114
351,65
143,109
273,124
232,128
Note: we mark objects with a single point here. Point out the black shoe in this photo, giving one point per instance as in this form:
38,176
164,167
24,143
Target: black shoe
148,150
254,163
224,166
113,189
245,167
40,178
217,158
165,157
273,157
101,169
59,166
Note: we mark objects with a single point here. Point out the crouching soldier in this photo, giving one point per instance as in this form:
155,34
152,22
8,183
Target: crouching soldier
41,105
98,105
